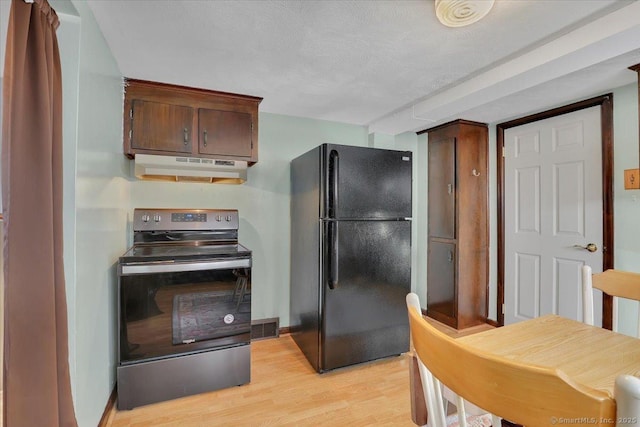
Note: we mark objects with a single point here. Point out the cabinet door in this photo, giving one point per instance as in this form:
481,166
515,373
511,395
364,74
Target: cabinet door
159,126
441,281
442,186
224,132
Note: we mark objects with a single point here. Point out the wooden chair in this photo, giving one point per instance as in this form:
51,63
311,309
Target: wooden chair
618,284
436,401
525,394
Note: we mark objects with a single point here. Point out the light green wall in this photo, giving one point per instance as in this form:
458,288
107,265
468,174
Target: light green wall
420,225
68,35
95,205
626,202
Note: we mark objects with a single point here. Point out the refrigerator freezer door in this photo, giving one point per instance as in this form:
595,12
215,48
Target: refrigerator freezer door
366,183
364,313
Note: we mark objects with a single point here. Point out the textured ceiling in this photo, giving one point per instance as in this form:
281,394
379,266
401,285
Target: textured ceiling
387,64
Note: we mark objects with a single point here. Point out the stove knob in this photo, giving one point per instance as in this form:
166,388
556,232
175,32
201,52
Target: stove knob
228,218
156,217
218,218
145,218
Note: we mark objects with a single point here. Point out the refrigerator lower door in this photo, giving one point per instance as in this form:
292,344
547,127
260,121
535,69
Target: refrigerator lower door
367,275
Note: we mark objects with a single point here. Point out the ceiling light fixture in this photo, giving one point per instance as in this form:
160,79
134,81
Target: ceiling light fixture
458,13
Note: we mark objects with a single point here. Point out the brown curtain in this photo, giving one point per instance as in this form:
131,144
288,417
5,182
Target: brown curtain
37,390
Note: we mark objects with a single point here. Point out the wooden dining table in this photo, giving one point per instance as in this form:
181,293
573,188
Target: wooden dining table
589,355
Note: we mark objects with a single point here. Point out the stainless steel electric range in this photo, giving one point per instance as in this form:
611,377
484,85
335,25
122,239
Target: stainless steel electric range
184,294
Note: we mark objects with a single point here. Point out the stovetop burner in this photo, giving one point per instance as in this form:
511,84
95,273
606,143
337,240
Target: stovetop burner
173,251
184,235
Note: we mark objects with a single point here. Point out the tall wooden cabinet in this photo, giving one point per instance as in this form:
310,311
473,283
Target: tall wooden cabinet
458,224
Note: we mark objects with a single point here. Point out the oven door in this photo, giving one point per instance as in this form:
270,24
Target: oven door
170,308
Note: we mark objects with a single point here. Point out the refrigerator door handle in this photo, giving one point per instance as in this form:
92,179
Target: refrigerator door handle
333,256
334,161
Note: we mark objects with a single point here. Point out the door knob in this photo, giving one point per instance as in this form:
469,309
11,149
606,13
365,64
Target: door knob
591,247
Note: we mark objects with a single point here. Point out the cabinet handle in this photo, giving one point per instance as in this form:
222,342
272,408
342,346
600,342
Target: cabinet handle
450,256
205,137
186,136
450,188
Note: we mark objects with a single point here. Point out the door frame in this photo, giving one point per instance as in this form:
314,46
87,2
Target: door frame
605,102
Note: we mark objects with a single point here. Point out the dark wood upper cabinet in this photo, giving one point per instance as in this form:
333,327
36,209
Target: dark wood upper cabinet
160,126
458,224
177,120
224,132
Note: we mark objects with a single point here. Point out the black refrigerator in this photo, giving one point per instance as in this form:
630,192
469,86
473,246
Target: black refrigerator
350,254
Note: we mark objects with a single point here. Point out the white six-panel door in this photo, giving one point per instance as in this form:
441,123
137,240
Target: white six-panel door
553,202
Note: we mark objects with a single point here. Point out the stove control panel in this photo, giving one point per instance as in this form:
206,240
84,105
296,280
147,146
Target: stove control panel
188,217
184,219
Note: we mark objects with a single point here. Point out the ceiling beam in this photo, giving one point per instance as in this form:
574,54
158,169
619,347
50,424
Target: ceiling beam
610,36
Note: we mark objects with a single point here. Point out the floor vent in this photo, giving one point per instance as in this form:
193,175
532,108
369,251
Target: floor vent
265,328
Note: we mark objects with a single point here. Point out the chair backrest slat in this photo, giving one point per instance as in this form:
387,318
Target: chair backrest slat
525,394
617,283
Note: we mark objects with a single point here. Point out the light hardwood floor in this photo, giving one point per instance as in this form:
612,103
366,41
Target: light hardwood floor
285,391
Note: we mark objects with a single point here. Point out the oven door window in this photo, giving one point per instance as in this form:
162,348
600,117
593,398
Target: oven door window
165,313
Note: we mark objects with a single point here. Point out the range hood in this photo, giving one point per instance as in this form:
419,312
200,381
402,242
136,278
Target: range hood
190,169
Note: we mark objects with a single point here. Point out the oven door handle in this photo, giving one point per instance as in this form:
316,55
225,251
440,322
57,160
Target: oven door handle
176,267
